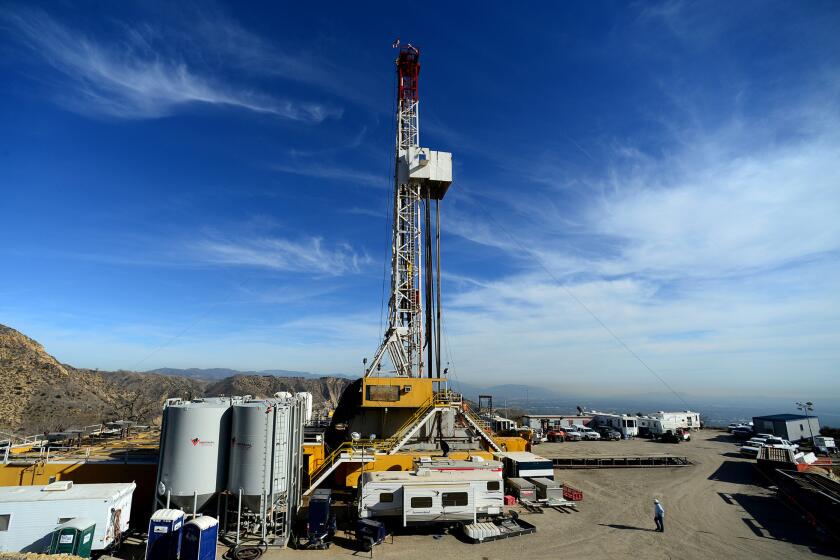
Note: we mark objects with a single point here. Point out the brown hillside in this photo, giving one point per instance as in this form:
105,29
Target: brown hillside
325,390
38,393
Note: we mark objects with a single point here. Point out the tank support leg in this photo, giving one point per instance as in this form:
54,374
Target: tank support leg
238,515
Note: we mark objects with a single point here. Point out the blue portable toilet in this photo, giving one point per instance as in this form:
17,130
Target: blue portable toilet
199,539
164,540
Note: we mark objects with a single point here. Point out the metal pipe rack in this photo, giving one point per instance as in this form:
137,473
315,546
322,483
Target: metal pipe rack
619,462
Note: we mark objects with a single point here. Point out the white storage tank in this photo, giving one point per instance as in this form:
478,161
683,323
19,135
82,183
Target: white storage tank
194,447
266,439
308,398
252,438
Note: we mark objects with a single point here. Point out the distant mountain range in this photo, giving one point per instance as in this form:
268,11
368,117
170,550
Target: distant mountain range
213,374
38,393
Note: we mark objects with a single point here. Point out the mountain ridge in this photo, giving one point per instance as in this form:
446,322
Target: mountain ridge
40,394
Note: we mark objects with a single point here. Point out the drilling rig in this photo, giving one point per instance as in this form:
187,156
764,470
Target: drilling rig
402,408
421,176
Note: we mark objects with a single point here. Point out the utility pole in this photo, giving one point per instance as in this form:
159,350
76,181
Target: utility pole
808,407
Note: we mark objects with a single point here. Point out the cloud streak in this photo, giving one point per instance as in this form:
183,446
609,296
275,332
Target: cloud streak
333,172
137,78
307,255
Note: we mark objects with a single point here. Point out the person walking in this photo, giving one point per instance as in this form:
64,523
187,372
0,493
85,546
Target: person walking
659,516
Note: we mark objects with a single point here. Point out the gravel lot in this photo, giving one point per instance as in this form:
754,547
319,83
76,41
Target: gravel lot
714,509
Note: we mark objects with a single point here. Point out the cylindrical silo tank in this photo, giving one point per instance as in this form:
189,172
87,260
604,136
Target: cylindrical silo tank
194,452
251,452
308,398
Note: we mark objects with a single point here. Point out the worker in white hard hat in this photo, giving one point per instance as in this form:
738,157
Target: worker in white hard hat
659,516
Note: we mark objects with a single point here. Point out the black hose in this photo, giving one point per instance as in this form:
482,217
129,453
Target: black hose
247,551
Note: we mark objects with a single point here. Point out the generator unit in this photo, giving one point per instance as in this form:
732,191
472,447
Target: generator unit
164,540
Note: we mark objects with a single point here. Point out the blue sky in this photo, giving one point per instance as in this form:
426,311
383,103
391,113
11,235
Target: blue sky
205,185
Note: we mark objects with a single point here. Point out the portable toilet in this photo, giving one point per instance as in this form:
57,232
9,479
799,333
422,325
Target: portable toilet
164,540
319,512
73,537
198,541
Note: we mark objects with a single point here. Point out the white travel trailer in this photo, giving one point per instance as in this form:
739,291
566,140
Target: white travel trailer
30,514
654,427
624,423
426,496
685,419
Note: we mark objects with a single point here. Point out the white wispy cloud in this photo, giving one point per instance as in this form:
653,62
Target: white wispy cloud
307,255
730,238
322,170
137,76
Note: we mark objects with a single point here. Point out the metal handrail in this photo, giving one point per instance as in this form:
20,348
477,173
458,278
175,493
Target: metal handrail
441,399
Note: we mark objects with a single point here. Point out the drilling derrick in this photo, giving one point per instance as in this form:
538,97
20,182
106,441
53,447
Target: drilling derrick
421,176
402,405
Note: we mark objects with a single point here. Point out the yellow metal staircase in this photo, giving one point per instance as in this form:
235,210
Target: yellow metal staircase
366,451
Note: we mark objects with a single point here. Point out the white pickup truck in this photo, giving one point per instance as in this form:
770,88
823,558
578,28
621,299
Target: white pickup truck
587,433
751,448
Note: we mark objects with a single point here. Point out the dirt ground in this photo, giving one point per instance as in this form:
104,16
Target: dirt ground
714,509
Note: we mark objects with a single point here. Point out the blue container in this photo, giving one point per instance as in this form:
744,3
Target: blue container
319,513
199,539
164,541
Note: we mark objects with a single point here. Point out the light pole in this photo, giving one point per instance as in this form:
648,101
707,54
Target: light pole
807,407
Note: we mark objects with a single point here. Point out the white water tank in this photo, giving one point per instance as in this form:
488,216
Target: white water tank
194,447
266,440
252,438
308,398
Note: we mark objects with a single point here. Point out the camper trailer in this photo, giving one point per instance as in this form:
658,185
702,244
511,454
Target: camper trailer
427,496
624,423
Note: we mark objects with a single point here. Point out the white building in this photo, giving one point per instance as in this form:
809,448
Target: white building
30,514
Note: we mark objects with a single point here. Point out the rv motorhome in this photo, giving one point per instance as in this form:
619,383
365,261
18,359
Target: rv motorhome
429,496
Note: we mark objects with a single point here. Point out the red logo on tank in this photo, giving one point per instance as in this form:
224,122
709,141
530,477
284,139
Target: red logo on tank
195,441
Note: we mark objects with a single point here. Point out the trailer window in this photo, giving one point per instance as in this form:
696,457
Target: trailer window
386,497
450,499
422,501
493,485
4,521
